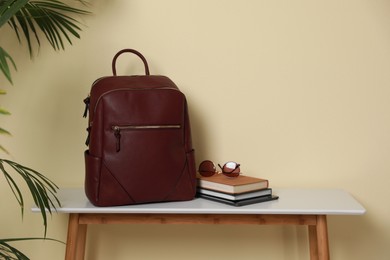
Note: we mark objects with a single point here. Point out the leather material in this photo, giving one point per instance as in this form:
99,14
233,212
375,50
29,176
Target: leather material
140,148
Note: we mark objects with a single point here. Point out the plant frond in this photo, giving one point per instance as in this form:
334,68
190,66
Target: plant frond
24,23
3,111
9,8
4,132
4,150
14,187
42,190
7,240
52,18
5,58
8,252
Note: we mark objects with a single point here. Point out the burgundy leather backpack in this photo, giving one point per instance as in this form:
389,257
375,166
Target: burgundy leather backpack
139,140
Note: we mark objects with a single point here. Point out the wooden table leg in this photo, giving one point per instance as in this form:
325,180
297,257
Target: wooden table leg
75,244
81,239
318,239
322,237
313,242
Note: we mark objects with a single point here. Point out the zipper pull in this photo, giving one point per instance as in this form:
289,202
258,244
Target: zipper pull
88,136
86,102
117,133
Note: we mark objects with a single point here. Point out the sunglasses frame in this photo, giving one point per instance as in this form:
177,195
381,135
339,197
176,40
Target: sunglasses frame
232,173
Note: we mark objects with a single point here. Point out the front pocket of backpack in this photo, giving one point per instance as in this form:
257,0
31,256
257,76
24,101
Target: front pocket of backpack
147,159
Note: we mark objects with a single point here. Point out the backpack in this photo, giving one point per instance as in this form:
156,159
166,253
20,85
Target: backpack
139,140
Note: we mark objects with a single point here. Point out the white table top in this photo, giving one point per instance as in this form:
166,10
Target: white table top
291,201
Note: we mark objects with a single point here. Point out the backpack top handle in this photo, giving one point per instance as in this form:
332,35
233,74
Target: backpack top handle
134,52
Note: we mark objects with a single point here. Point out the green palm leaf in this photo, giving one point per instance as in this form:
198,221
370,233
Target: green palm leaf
4,132
5,58
3,149
4,111
8,252
42,189
9,8
52,17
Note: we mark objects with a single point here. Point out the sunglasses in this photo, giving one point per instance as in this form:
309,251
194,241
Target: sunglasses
230,169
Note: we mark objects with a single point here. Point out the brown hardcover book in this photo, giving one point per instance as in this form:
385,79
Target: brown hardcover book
240,184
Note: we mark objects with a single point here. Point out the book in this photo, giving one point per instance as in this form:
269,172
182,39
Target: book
239,203
240,196
240,184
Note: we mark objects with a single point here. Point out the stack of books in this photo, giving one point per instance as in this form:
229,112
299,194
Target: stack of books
238,191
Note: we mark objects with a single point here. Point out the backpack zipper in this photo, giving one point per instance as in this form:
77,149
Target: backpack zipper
87,100
131,89
118,128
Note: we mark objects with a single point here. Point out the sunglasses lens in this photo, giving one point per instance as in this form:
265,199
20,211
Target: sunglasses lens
207,168
231,169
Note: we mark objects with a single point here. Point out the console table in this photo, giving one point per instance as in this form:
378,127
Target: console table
308,207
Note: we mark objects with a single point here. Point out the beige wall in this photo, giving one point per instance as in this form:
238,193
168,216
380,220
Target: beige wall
296,91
